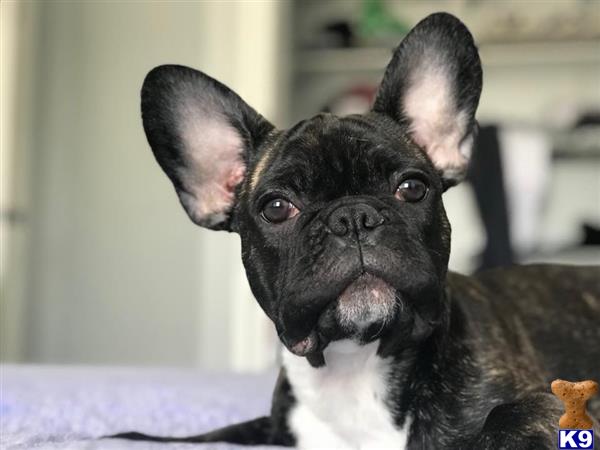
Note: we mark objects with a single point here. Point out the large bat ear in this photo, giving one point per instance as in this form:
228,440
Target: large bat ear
432,86
202,135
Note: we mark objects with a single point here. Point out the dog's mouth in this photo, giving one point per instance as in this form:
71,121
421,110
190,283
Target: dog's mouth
367,302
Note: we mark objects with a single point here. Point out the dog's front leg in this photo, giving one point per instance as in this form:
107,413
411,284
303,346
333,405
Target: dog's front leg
530,423
266,430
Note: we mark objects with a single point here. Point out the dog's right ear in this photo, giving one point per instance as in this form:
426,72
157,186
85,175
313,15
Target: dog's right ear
202,135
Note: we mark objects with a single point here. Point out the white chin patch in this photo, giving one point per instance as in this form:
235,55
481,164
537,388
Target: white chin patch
365,301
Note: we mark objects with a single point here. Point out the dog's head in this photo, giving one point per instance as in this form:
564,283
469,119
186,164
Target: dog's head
342,225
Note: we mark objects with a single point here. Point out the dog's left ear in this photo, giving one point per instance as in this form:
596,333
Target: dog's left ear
432,86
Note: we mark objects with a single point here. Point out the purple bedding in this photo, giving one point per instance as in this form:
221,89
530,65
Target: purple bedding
69,407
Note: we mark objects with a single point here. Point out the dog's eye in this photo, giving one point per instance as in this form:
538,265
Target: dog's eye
279,210
411,190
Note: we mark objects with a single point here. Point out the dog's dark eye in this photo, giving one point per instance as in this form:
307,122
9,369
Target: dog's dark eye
279,210
411,190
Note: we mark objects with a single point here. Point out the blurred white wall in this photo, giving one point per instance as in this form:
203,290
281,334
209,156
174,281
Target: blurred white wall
116,272
103,265
12,198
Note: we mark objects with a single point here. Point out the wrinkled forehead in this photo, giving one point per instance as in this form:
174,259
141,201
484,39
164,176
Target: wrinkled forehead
329,153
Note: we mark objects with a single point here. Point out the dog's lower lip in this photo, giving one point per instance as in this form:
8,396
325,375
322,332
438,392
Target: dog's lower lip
305,346
380,280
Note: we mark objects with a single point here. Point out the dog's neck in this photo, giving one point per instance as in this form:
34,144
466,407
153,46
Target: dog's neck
438,374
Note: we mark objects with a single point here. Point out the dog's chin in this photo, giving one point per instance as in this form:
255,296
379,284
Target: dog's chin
367,303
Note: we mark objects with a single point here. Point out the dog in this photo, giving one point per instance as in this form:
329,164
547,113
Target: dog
345,242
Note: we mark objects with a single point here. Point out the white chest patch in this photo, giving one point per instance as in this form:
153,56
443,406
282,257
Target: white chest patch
342,405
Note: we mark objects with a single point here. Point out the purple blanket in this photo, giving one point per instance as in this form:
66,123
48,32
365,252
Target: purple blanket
48,407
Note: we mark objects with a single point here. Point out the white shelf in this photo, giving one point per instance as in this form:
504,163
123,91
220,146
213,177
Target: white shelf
370,59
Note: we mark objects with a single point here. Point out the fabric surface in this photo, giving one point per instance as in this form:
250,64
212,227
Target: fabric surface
48,407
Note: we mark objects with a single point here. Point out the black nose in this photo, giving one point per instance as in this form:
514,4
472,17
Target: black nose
358,217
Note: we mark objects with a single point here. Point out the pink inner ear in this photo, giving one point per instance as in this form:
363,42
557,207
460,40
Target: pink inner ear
235,178
214,166
436,125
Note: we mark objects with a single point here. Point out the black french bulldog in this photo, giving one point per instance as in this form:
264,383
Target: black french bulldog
345,242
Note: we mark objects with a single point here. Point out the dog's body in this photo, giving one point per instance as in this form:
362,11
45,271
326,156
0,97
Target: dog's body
345,242
509,334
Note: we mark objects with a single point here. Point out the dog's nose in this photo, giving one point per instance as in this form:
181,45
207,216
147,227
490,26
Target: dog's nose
358,217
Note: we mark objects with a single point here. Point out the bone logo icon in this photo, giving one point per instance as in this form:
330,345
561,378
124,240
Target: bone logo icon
576,426
575,396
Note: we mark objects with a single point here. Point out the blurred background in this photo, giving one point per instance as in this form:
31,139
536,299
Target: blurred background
100,265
